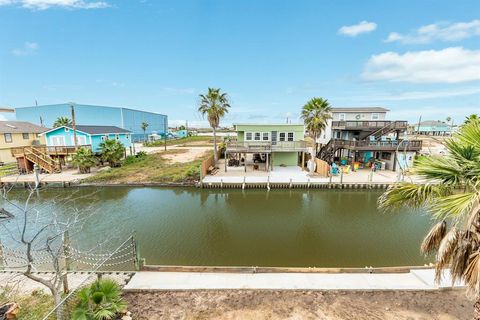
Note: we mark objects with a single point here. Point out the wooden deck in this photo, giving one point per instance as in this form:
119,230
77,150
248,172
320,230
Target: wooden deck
50,150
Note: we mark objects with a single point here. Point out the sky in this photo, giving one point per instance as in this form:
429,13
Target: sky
416,58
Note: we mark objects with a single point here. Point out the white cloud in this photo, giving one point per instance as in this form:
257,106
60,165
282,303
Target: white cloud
356,29
443,31
450,65
45,4
27,49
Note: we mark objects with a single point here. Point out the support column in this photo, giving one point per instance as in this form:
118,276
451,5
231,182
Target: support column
245,162
267,162
303,159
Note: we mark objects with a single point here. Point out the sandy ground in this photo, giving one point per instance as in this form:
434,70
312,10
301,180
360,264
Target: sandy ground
331,305
186,154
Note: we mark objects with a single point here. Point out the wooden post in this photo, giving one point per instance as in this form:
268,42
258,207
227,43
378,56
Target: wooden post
303,159
225,160
66,252
74,126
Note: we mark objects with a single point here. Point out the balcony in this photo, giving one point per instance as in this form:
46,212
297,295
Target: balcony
50,150
266,146
412,145
369,125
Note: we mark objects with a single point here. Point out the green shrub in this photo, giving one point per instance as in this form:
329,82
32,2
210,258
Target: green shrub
112,152
100,301
84,159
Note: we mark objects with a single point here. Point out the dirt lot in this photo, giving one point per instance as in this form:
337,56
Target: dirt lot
331,305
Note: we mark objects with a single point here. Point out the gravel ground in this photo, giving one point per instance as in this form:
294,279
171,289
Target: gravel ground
332,305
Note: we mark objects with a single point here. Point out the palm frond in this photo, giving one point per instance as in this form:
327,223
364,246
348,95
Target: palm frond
410,194
445,252
472,273
434,237
442,169
460,259
455,205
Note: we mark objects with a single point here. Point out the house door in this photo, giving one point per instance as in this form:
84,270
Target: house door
57,141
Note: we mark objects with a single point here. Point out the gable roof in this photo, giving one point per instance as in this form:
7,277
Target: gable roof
94,130
20,127
360,109
101,129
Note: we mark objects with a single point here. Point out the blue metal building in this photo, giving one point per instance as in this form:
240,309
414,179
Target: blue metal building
128,119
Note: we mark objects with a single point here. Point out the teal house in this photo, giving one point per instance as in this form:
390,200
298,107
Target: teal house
431,128
89,136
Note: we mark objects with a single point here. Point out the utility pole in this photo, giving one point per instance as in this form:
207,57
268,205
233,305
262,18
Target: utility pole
186,127
74,126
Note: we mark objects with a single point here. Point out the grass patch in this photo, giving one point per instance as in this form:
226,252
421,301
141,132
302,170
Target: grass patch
32,307
152,168
8,169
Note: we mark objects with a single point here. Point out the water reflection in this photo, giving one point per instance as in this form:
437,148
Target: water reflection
188,226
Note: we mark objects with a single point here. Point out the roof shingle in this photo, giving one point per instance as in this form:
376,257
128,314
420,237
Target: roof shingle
20,127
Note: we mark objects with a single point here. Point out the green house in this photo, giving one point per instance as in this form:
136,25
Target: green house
277,144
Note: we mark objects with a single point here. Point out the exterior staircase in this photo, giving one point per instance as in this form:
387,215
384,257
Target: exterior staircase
392,126
43,160
327,152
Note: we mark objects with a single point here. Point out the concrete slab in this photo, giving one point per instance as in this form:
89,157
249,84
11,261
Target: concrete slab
414,280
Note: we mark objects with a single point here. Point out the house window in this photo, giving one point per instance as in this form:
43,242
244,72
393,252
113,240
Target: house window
8,137
282,136
105,138
257,136
265,136
375,116
341,116
25,136
248,136
290,136
67,129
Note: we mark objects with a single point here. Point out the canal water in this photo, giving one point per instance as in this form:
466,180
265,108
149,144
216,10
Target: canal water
302,228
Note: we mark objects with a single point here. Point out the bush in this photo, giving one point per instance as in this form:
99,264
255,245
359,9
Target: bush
136,158
100,301
84,159
112,152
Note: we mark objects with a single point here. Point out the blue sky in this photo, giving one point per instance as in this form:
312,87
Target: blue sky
413,57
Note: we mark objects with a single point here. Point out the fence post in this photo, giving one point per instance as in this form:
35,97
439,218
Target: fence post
68,262
341,178
136,252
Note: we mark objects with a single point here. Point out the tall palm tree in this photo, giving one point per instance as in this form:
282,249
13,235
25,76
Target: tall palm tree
144,127
315,114
214,105
452,196
62,121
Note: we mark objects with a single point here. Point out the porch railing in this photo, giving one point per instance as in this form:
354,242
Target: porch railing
50,150
369,124
266,146
413,145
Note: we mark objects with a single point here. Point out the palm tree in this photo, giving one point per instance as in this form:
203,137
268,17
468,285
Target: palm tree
84,159
452,196
315,114
214,105
144,127
472,118
112,151
62,121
